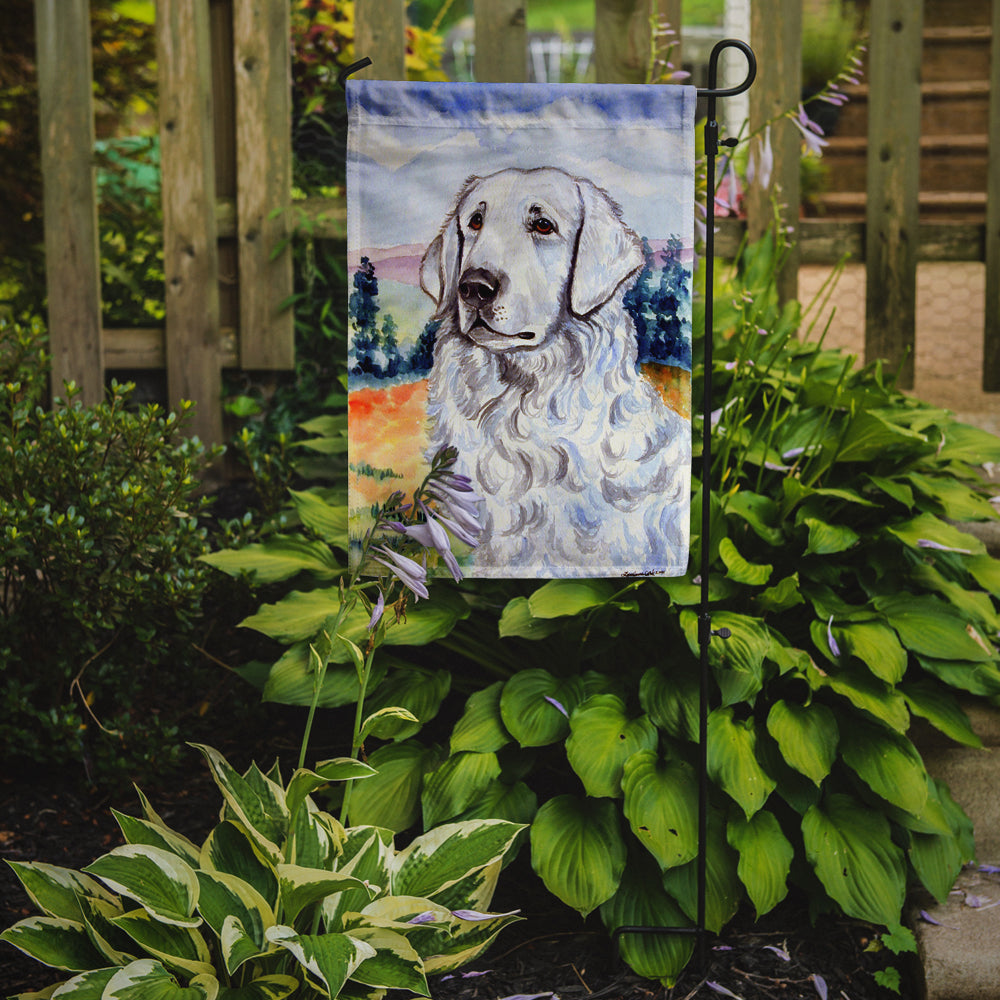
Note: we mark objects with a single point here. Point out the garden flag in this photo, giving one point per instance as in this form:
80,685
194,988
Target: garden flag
520,261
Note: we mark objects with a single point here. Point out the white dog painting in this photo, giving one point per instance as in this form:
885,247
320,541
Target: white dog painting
520,261
581,465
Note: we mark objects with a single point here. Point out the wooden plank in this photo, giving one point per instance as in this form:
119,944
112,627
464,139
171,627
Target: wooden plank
190,253
380,34
622,40
776,36
262,62
72,256
827,241
501,41
991,332
893,184
144,348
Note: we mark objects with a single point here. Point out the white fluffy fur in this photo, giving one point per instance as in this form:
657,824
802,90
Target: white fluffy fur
582,467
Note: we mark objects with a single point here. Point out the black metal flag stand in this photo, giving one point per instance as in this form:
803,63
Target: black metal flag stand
705,631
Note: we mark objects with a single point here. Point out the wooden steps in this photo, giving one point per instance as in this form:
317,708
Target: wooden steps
955,101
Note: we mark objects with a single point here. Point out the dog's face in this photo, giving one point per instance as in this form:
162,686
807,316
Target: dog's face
521,250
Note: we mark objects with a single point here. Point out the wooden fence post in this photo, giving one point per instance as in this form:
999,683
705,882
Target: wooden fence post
623,37
991,333
262,61
72,255
501,41
190,251
776,35
380,34
893,183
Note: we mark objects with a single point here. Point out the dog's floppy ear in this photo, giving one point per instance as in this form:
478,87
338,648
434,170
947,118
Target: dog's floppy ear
607,251
441,261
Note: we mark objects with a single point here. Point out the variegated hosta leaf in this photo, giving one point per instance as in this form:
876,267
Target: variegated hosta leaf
149,980
274,987
723,889
141,831
367,853
98,915
441,857
230,849
481,727
177,947
86,986
765,858
642,902
476,890
661,800
56,891
732,760
456,784
54,941
256,801
395,964
304,782
315,838
158,880
225,897
578,851
535,706
850,847
807,736
301,887
328,959
602,737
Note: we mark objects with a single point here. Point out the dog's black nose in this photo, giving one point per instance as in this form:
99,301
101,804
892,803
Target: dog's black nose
478,287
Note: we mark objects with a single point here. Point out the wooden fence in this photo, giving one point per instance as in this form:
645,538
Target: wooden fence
226,161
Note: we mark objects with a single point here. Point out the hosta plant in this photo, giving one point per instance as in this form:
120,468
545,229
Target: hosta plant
279,900
855,602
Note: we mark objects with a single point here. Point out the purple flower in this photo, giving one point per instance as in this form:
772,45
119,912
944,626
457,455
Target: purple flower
780,952
431,535
927,543
811,132
377,612
475,915
820,983
558,705
411,573
427,917
761,164
834,648
719,988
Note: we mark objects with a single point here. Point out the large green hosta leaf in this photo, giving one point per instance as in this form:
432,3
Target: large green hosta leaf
481,727
670,698
732,760
391,798
850,848
661,806
807,736
578,851
456,784
601,740
641,901
876,646
765,858
926,528
723,889
415,689
279,558
932,628
941,709
738,661
558,598
535,706
888,763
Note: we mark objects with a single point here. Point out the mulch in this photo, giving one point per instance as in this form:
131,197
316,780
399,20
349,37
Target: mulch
552,952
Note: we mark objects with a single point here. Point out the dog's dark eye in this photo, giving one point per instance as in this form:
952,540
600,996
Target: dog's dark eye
476,221
543,226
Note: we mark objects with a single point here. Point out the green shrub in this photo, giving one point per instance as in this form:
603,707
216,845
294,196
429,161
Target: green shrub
99,541
279,900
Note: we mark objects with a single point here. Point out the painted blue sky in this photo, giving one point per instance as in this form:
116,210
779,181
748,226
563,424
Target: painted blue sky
412,146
